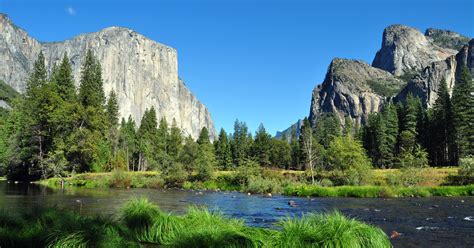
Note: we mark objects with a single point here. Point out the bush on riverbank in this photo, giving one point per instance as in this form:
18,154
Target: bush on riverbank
141,223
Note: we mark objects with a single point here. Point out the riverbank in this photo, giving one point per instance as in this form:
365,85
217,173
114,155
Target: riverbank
140,223
275,182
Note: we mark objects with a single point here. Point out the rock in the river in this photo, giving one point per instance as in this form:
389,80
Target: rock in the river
407,50
142,72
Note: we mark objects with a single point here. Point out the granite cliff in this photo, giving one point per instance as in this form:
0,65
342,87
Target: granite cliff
407,62
142,72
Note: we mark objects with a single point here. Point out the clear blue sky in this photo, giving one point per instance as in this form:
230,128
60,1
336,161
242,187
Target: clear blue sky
256,60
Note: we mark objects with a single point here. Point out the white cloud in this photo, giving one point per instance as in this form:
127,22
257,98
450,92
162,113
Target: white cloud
71,11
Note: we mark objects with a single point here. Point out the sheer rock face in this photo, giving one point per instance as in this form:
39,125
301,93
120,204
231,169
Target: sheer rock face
142,72
349,90
426,84
405,49
354,89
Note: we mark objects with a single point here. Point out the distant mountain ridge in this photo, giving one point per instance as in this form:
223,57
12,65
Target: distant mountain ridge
142,72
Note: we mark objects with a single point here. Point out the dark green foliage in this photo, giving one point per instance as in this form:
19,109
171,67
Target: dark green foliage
327,128
175,141
384,88
147,135
463,106
442,147
7,93
112,109
203,137
262,146
223,151
64,80
61,228
189,153
38,77
205,161
91,92
347,155
240,143
380,136
128,141
280,153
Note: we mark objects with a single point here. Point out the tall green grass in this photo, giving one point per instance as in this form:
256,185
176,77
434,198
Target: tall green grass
141,224
378,191
329,230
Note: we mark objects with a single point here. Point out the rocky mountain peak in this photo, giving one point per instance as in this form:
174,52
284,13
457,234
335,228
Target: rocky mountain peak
447,38
352,88
405,50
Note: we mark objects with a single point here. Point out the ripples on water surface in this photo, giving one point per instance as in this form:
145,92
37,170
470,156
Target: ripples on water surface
423,222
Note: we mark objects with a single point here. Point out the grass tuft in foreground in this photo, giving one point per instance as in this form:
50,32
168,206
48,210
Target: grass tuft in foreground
142,224
329,230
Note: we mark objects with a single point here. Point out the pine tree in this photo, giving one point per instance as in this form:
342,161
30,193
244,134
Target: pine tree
442,129
280,153
91,92
162,137
112,110
348,126
391,135
128,140
408,132
240,143
64,80
223,151
147,133
189,153
262,146
463,106
205,161
203,137
327,128
39,76
175,141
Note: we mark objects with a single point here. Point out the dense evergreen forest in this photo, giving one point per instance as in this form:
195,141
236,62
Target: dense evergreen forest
56,130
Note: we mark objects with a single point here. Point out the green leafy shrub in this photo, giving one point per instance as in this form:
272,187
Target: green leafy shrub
260,185
175,175
120,179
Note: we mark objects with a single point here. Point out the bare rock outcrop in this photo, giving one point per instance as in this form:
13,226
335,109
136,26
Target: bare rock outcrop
407,50
142,72
352,89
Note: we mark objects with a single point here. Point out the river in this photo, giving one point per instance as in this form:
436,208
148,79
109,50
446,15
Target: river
422,222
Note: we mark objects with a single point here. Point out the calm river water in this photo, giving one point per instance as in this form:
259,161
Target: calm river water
422,222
